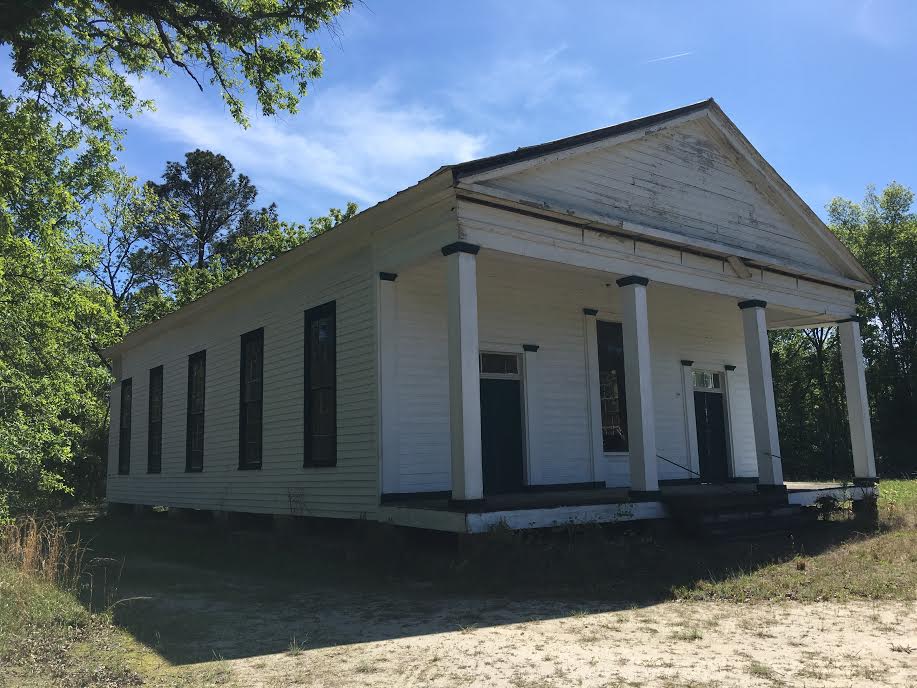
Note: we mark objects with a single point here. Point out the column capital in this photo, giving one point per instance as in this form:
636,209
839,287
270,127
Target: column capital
729,368
632,279
388,276
686,363
460,247
530,347
752,303
591,311
852,319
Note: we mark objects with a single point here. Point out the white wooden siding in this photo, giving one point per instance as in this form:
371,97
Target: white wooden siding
282,486
523,301
676,179
516,233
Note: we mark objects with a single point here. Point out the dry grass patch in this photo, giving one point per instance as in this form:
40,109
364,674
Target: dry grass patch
49,635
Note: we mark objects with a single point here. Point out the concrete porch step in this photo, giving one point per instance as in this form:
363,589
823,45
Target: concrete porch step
753,517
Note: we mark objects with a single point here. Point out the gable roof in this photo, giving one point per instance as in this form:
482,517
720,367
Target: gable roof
454,175
526,153
753,162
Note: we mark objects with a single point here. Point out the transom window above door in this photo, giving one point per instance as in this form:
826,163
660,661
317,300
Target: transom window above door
708,380
499,365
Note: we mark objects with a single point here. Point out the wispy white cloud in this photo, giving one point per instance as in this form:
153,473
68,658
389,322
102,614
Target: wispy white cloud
527,87
359,144
668,57
877,23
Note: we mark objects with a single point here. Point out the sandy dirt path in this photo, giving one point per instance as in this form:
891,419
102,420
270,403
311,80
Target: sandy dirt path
368,641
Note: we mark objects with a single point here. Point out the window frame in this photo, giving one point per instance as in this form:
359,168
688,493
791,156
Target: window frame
156,373
255,336
328,309
192,360
124,429
622,389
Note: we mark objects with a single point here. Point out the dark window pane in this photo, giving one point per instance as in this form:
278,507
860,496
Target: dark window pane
250,395
154,442
124,430
611,386
500,364
320,441
197,366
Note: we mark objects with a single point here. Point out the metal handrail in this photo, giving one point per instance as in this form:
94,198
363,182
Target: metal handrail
685,468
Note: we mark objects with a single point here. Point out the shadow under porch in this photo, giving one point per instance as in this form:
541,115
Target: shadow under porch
558,507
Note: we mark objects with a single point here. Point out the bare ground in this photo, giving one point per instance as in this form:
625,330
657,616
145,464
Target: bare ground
333,639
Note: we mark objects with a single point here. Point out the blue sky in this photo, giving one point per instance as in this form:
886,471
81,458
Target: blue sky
825,90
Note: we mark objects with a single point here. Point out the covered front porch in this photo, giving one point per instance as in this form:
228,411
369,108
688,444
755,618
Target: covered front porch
547,508
527,391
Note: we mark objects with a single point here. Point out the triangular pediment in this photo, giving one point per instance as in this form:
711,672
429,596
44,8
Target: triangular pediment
694,177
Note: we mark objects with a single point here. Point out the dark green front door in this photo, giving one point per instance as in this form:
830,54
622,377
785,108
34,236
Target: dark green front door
501,435
710,417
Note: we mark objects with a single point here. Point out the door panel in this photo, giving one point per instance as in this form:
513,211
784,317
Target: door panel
710,416
501,435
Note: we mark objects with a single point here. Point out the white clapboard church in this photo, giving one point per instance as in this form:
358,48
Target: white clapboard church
575,331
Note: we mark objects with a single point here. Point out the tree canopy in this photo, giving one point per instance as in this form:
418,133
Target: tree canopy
62,296
808,377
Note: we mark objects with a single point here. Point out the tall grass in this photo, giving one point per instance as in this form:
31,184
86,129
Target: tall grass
42,549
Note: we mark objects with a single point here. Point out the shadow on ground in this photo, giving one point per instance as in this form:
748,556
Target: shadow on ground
196,592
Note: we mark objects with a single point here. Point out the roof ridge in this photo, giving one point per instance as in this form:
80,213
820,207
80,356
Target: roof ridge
536,150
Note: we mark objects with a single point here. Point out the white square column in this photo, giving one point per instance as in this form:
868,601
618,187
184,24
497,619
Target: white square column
864,458
464,372
389,441
761,385
593,392
532,392
638,386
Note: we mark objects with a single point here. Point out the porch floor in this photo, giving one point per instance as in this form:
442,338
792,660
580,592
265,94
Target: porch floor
584,496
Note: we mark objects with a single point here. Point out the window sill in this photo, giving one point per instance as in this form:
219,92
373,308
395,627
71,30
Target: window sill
194,470
149,472
250,467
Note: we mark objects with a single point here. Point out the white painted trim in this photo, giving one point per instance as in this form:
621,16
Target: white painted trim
687,382
593,396
575,252
761,385
638,384
864,459
729,382
516,200
531,391
778,190
608,142
464,377
389,422
522,519
841,494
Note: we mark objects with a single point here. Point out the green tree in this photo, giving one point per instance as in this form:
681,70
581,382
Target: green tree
882,233
77,56
52,323
254,244
203,202
76,63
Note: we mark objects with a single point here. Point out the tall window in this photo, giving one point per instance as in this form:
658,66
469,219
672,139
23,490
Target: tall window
194,448
154,435
320,385
250,399
124,427
611,386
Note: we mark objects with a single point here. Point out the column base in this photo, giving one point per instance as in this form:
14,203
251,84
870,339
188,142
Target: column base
865,482
644,495
766,488
466,505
